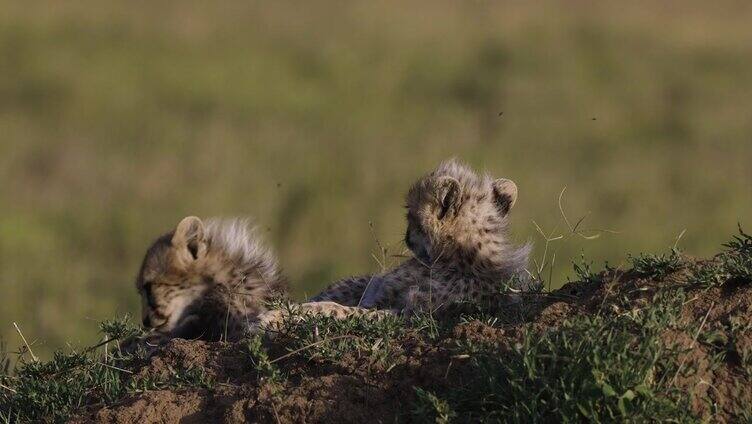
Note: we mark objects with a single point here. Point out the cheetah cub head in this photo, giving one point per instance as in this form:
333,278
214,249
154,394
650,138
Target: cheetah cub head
195,279
171,276
455,215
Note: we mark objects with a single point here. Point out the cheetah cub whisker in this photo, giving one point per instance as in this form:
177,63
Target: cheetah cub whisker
207,280
457,230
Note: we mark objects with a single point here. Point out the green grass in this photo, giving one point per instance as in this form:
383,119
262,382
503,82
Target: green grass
115,122
613,364
601,368
328,339
737,260
735,263
50,391
429,408
656,265
740,326
259,358
583,271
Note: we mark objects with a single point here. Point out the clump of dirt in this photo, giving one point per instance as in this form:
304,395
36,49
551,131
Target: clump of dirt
711,337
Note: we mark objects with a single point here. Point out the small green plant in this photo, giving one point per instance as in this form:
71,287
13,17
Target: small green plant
657,266
710,274
584,271
260,359
737,260
741,243
426,322
740,329
278,303
739,267
120,328
735,263
429,408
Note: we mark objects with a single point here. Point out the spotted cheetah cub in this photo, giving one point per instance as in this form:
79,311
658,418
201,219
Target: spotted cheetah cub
207,280
457,230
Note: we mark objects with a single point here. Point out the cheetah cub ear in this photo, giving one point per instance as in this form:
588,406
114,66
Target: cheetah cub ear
189,240
449,195
505,194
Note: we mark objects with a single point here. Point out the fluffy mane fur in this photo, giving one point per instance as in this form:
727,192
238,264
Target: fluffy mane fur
239,241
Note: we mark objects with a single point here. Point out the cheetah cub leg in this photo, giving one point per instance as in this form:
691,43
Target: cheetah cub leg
274,319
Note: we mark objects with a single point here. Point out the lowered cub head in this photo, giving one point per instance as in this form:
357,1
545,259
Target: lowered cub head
191,278
455,215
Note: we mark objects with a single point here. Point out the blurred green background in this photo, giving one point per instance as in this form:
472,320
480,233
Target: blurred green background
119,118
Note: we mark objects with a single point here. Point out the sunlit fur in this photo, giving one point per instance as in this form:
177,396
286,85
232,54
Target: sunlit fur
458,231
207,284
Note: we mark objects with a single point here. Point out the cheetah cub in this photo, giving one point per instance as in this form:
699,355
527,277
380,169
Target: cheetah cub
207,280
457,230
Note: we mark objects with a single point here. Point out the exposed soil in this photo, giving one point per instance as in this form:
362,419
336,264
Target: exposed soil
354,389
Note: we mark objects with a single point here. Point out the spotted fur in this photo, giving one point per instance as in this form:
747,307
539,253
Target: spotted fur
457,230
207,280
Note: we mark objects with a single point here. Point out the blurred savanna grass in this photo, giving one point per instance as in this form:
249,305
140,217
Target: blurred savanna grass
119,118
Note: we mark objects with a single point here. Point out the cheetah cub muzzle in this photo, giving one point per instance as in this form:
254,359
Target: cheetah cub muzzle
207,280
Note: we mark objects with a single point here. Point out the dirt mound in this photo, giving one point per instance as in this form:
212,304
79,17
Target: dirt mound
669,339
699,362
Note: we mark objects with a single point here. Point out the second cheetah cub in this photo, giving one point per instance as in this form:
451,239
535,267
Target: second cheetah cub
207,280
457,229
